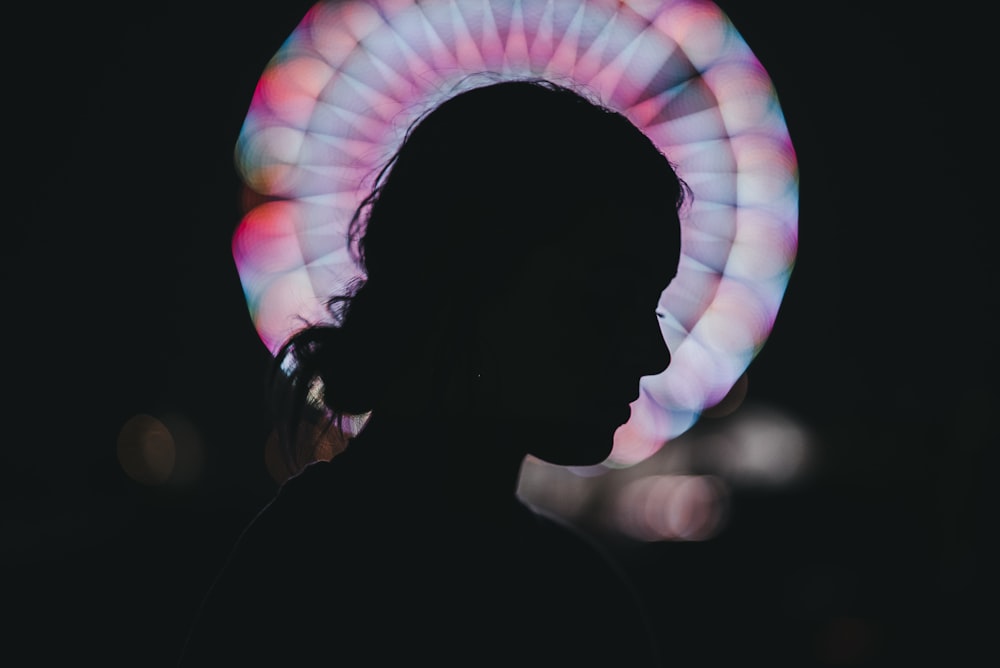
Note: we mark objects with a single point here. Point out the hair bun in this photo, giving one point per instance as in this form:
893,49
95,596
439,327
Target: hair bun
354,360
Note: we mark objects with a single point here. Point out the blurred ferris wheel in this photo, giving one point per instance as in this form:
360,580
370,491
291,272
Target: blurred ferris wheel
334,101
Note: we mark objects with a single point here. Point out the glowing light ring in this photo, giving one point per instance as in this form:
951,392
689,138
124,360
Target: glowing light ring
333,102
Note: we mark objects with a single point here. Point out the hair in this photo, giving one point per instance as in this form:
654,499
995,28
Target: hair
477,182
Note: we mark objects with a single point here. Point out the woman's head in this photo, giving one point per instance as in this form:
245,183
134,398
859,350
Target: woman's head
501,248
498,170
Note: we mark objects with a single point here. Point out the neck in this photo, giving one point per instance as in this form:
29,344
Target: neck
474,465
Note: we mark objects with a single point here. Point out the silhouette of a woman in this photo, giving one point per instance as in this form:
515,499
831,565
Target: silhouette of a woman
514,251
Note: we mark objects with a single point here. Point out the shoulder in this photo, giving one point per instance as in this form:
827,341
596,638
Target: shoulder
254,599
292,509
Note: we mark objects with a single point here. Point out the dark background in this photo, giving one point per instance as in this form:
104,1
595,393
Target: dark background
120,297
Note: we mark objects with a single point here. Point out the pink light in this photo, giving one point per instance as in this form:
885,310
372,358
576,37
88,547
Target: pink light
336,98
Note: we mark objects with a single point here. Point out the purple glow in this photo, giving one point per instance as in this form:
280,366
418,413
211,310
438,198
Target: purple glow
333,103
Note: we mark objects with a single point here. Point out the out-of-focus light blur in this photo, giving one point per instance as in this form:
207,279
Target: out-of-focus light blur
761,447
732,401
154,451
671,507
682,492
334,101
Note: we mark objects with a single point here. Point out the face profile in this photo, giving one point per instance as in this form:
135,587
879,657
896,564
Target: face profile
514,250
581,321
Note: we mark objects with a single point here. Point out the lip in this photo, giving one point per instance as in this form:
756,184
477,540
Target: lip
625,414
627,411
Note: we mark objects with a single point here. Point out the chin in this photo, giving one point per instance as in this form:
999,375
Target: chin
573,445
